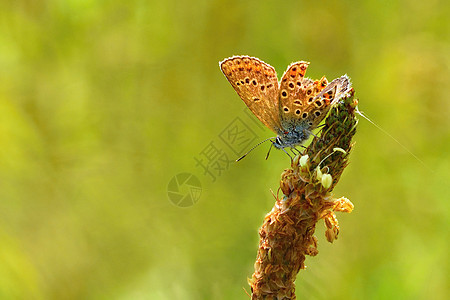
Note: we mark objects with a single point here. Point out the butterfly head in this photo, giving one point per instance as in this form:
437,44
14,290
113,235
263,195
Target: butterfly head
292,138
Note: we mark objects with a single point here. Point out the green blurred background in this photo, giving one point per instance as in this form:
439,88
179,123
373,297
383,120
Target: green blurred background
102,103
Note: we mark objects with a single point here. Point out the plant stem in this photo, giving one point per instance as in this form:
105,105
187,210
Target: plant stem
287,234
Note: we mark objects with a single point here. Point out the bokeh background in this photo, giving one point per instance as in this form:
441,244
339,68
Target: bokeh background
102,103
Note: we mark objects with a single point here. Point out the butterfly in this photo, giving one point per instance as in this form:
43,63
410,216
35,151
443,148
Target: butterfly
291,107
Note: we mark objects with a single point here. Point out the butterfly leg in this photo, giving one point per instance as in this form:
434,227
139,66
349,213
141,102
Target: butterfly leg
315,135
298,151
287,154
268,152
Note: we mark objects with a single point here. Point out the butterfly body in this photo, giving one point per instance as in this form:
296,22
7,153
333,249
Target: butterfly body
292,138
291,107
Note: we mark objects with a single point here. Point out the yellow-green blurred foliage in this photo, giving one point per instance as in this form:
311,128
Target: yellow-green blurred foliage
103,102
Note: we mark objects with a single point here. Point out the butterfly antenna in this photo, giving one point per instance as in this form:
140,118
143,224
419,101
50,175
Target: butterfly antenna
253,148
389,135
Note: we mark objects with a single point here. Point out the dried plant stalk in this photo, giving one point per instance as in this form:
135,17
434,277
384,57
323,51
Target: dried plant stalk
287,234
